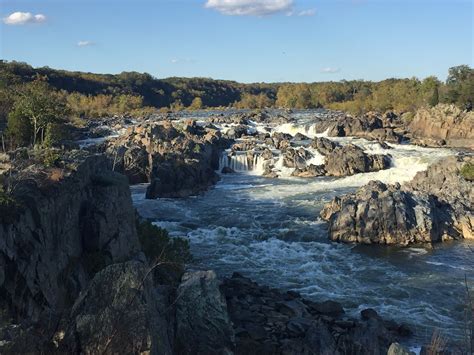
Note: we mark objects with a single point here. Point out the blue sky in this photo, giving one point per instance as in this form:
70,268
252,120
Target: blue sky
243,40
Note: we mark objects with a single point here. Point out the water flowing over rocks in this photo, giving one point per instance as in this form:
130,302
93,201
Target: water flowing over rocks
178,159
435,206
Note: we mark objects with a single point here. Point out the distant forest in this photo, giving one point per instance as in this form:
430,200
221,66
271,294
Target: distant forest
94,95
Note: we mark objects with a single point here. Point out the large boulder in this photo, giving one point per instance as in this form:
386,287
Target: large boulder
120,312
350,160
202,322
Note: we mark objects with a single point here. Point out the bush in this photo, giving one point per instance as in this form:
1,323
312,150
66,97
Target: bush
467,171
9,207
158,246
50,158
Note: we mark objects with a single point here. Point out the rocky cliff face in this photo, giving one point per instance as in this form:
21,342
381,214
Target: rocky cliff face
443,125
178,159
435,206
61,231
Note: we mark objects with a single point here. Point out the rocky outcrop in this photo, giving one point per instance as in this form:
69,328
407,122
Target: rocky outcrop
350,160
443,125
202,323
66,223
178,159
120,312
435,206
267,321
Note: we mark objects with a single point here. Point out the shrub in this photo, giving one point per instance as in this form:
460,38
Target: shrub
467,171
50,158
9,207
158,246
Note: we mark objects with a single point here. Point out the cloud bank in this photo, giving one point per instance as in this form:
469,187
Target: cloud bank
23,18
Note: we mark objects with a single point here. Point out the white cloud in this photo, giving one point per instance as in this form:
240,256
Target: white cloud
85,43
23,18
250,7
308,12
330,70
174,60
182,60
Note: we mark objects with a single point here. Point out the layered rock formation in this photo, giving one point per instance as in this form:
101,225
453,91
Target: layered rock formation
435,206
65,223
443,125
178,159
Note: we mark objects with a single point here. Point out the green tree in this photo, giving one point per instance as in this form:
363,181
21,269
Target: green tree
196,104
460,86
39,104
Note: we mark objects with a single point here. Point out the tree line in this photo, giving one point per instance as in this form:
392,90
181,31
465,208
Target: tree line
36,103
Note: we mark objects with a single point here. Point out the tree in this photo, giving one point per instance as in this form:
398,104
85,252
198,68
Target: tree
434,100
38,104
196,104
460,86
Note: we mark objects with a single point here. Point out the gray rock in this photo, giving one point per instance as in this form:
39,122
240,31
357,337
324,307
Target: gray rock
397,349
203,325
119,313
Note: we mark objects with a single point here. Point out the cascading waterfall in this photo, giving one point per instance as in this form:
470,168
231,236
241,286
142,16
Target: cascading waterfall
240,162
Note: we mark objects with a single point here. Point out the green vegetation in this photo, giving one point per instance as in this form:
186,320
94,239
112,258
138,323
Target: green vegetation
37,104
467,171
9,207
159,247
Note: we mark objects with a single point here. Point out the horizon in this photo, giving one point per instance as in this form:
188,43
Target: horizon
258,41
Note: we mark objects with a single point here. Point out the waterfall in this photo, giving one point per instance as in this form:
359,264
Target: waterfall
240,162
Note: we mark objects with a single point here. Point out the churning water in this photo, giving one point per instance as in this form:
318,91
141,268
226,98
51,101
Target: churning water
269,230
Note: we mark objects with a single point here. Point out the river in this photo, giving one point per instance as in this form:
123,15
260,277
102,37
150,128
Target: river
270,230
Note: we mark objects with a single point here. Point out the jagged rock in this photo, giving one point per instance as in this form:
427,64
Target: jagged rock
300,137
296,158
119,312
324,145
83,222
350,160
268,321
435,206
203,325
444,124
178,159
310,171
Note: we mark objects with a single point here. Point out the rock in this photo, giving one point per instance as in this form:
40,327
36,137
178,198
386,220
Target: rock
444,123
397,349
350,160
328,308
324,145
368,314
435,206
118,313
82,222
310,171
227,170
300,137
203,325
177,159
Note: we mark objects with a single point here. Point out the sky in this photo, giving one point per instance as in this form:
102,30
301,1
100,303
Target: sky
242,40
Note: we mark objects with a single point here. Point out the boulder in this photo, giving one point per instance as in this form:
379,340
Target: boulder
324,145
202,322
119,312
350,160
